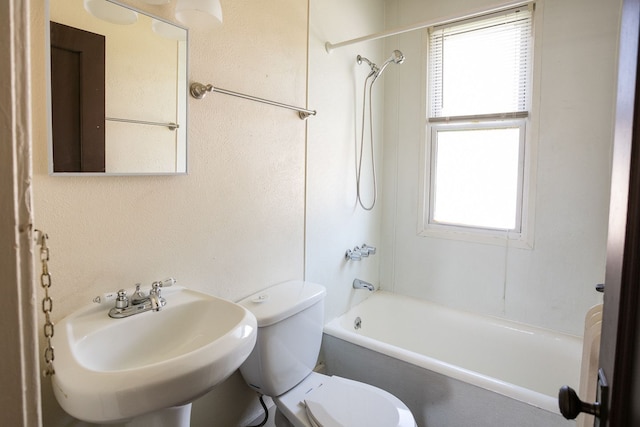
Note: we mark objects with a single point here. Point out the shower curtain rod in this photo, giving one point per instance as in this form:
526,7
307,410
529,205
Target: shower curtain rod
431,23
199,90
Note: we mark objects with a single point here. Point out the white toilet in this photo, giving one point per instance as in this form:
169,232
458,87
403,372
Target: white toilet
290,321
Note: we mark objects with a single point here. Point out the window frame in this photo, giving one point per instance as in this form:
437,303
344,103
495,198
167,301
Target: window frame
501,124
522,235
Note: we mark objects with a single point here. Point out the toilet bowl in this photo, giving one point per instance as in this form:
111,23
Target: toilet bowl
290,322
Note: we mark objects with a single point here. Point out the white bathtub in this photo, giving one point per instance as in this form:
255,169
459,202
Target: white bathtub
523,363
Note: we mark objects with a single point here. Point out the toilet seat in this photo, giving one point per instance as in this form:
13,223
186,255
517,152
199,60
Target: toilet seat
322,401
340,402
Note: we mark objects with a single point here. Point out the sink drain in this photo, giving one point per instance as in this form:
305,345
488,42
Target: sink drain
357,324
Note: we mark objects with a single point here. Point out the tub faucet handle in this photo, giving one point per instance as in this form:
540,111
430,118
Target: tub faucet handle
369,250
362,251
354,255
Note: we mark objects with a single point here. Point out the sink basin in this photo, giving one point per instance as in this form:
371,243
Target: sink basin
110,370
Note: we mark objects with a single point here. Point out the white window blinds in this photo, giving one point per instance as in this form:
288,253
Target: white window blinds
481,67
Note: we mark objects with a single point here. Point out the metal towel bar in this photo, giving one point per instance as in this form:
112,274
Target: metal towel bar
171,126
199,90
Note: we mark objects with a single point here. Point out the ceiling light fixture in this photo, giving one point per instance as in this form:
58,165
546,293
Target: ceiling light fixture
168,31
111,12
203,15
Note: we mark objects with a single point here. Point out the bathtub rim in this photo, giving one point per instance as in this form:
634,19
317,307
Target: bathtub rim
534,398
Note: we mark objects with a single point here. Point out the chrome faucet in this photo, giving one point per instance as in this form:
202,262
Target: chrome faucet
139,302
361,284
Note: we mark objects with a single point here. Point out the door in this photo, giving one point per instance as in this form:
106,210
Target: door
77,99
619,359
619,383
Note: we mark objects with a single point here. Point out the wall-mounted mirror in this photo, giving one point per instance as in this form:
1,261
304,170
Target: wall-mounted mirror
118,90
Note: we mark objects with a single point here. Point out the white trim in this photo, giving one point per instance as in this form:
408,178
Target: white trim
430,228
472,117
525,239
19,371
507,124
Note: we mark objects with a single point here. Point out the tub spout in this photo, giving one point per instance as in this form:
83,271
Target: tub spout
361,284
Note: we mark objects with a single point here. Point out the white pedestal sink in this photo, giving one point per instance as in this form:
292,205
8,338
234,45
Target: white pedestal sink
135,368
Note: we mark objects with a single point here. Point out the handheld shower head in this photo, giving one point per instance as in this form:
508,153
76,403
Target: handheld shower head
396,57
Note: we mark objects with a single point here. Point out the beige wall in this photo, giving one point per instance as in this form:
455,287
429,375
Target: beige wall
234,225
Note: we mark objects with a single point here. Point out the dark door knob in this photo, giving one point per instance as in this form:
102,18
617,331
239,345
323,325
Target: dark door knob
600,287
571,405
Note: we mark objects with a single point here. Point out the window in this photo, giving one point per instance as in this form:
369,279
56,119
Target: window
478,109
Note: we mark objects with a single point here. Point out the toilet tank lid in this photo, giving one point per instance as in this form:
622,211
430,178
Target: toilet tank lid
283,300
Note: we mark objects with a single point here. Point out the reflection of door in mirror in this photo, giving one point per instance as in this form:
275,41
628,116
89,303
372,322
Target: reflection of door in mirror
144,105
78,99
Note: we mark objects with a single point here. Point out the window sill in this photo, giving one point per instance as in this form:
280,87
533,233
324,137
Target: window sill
505,238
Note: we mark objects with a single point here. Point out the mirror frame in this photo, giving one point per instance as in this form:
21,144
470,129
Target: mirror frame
184,98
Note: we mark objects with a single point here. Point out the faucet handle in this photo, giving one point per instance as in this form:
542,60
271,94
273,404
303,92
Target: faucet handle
155,286
122,301
169,281
362,251
369,250
354,255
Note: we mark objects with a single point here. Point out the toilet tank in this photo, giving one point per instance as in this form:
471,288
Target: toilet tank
290,319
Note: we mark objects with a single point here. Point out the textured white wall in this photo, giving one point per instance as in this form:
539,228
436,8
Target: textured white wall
231,227
335,222
551,285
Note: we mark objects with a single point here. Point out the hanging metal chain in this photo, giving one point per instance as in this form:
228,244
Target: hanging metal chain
47,302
